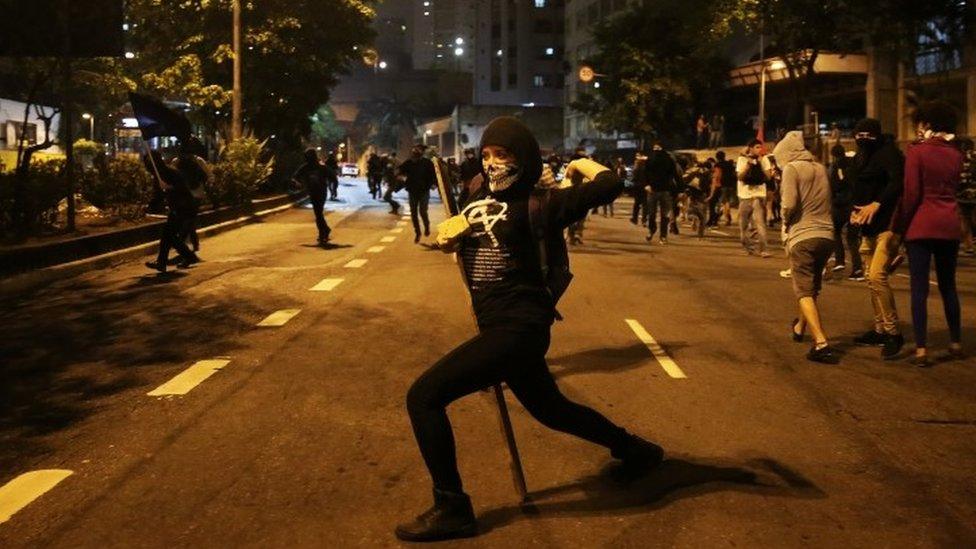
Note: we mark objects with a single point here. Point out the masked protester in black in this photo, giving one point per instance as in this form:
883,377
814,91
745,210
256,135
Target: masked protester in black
179,219
316,178
515,310
420,177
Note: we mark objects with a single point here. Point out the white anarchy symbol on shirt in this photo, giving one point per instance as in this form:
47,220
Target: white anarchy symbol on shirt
478,212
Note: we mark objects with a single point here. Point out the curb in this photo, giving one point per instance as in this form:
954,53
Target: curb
33,279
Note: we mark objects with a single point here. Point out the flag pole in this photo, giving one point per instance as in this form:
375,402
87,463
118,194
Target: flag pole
518,475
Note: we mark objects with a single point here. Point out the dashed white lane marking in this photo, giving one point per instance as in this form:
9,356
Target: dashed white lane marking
279,318
375,249
903,275
405,217
716,231
326,285
355,263
401,223
388,239
186,380
662,357
397,230
21,491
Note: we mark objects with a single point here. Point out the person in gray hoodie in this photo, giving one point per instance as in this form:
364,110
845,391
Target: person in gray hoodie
808,230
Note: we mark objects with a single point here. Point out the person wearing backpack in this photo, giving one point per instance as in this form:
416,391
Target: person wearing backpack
752,170
507,226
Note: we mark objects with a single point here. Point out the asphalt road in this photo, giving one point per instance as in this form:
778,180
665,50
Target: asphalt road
296,435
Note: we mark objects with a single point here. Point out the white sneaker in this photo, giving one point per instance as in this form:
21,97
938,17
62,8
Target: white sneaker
839,267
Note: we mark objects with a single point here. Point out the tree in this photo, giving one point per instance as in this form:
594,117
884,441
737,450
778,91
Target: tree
651,86
384,118
325,127
294,51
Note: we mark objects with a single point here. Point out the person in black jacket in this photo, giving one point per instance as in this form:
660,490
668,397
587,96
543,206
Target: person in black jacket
179,219
315,178
842,198
515,309
877,175
332,162
659,177
420,177
470,167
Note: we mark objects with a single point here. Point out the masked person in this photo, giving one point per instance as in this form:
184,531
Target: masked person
420,177
182,209
514,302
877,174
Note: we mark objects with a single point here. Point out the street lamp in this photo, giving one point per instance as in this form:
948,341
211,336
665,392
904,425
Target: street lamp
91,125
382,64
776,65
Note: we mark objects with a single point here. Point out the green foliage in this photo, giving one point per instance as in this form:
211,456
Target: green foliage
651,86
293,53
383,119
325,128
239,173
42,191
120,186
84,147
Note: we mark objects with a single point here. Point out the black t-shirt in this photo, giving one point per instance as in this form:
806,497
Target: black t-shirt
420,175
500,256
315,177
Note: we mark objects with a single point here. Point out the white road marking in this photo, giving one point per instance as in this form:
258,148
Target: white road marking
279,318
355,263
326,285
662,357
375,249
397,230
723,233
21,491
405,217
186,380
401,223
388,239
903,275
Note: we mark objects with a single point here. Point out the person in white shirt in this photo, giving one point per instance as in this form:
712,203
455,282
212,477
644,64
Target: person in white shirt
752,169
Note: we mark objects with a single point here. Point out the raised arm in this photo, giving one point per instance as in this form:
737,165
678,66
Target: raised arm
571,204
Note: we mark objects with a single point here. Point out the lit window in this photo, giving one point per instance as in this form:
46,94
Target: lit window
539,81
498,53
550,51
426,13
540,3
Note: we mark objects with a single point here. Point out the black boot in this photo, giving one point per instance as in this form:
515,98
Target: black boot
637,453
451,517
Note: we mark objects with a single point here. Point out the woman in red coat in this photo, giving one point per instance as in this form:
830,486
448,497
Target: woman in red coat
928,219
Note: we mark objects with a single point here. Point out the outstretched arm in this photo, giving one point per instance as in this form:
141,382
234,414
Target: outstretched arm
571,204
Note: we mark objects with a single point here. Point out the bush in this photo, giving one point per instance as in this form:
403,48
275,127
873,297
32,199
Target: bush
239,172
120,186
39,198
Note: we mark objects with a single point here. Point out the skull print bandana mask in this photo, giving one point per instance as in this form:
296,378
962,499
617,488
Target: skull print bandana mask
501,176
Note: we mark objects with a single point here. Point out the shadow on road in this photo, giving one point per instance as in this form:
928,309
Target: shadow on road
606,359
327,246
614,491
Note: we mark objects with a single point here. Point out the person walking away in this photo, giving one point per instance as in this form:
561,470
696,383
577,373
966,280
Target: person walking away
701,132
314,177
729,183
660,174
927,220
877,177
752,169
717,127
420,177
966,197
841,197
639,182
198,176
332,163
809,230
374,174
181,209
392,183
508,222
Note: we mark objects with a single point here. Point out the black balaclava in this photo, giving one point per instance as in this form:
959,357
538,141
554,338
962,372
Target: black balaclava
869,126
511,133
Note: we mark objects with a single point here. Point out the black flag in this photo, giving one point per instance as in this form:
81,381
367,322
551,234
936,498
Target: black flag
156,119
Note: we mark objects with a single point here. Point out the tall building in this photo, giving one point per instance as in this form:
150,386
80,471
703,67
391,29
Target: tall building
519,53
580,16
443,34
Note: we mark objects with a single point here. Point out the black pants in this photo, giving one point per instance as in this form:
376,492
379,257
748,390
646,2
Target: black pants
334,188
946,253
418,205
388,197
175,231
318,207
842,218
192,238
515,355
638,211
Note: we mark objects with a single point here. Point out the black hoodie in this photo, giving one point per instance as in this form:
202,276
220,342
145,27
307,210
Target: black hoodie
500,255
877,175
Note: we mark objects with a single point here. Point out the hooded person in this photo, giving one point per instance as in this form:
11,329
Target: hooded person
809,234
877,176
315,178
419,174
515,307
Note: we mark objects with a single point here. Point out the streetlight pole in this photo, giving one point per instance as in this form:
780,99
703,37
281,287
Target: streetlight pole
236,122
761,134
